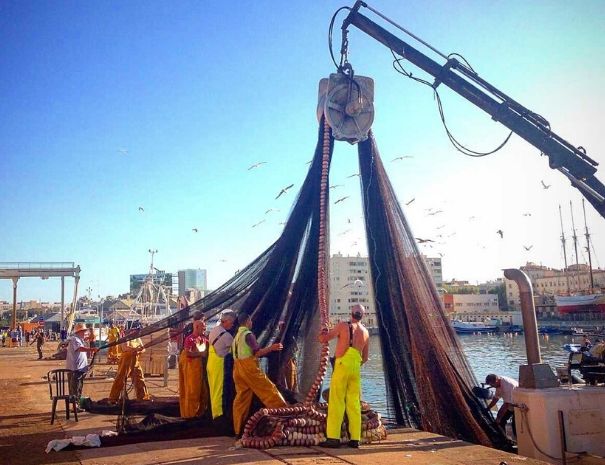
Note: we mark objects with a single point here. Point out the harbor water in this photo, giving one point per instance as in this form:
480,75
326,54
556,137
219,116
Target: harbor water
487,353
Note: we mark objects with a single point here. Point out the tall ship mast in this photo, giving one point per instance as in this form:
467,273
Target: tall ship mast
585,302
587,235
564,250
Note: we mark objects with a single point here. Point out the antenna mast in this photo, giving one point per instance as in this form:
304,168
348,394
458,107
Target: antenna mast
564,249
588,248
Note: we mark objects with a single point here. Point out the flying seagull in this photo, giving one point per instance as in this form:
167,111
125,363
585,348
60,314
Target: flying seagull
342,199
344,232
256,165
283,191
141,209
271,210
528,247
527,213
353,175
194,229
123,151
499,231
334,186
260,222
422,241
435,212
544,185
223,260
409,202
402,157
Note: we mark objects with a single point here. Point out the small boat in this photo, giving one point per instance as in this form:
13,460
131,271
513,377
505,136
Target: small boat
549,330
472,327
572,348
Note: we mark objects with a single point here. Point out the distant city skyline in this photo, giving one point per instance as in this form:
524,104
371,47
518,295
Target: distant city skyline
130,127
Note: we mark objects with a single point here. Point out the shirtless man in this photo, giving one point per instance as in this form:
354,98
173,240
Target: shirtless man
345,386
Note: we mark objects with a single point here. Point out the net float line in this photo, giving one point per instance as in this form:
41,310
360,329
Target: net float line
303,425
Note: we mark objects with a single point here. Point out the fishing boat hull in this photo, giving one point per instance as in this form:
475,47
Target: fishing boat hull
591,303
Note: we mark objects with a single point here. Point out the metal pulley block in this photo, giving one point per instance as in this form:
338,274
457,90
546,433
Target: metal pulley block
348,105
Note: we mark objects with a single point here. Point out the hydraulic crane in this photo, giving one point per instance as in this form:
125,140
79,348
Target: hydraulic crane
572,161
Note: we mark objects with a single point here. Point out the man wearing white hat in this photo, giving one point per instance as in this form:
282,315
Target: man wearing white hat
76,359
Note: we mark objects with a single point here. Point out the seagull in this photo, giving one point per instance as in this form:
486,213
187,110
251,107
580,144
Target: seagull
344,232
342,199
528,247
283,191
527,213
271,210
422,241
440,227
349,220
499,231
335,186
309,162
223,260
435,212
256,165
141,209
194,229
441,254
402,157
260,222
123,151
544,185
471,218
407,203
353,175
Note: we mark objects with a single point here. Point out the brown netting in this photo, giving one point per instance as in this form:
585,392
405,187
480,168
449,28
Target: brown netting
429,381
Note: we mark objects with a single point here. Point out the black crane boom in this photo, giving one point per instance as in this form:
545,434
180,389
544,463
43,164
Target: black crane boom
571,161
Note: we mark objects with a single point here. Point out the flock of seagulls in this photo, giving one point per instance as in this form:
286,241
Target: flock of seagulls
430,211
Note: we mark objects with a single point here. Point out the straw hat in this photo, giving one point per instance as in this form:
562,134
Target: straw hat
80,327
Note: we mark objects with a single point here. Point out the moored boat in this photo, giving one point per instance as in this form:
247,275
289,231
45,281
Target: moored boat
471,327
589,303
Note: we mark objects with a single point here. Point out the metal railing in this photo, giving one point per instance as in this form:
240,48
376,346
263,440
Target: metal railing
35,265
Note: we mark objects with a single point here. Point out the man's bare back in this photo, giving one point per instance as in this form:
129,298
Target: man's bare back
361,338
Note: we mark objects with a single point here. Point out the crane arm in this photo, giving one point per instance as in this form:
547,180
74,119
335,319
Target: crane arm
569,160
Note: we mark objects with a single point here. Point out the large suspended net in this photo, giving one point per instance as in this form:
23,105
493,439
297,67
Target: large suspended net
428,380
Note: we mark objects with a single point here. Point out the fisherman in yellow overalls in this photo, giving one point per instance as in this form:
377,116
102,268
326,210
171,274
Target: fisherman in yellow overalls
345,386
220,341
249,379
193,392
113,353
129,364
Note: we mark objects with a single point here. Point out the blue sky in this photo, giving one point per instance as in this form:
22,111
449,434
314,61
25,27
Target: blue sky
108,106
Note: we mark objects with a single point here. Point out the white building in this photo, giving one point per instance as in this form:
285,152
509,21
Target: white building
434,264
350,284
192,279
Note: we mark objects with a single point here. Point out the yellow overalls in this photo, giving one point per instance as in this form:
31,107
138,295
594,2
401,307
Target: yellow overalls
345,394
249,380
193,395
129,364
113,353
216,372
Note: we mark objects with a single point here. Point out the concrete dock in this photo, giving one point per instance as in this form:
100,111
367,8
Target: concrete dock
25,430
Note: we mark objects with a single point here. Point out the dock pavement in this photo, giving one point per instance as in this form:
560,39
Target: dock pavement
25,430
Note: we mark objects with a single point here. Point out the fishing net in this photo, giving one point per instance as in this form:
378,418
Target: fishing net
428,380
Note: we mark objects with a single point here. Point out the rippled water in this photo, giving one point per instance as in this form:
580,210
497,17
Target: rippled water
486,353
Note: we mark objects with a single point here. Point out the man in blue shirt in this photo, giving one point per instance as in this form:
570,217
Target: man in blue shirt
76,359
